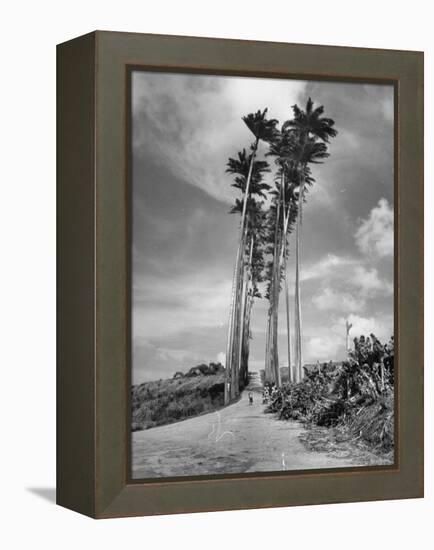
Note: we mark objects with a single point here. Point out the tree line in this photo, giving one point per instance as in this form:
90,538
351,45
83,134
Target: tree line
268,215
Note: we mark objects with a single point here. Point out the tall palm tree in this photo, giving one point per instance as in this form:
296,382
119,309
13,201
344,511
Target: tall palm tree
282,149
289,217
265,130
313,131
262,129
249,175
275,289
253,268
281,218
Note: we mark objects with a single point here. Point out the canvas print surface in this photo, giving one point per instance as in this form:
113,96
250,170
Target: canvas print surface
262,275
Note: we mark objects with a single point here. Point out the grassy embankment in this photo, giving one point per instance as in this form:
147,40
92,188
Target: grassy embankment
167,401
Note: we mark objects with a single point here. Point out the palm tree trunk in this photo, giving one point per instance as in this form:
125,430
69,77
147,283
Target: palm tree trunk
275,318
274,294
243,309
298,328
276,331
240,311
288,324
229,341
268,374
286,214
234,340
298,324
245,284
249,177
234,337
297,308
232,328
246,339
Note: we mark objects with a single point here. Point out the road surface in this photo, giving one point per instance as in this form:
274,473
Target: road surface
237,439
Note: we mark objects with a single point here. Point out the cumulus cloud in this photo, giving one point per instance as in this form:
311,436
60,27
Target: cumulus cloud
345,284
221,358
374,235
369,283
322,348
328,342
381,326
328,299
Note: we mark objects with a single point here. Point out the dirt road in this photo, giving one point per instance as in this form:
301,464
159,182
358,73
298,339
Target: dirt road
238,438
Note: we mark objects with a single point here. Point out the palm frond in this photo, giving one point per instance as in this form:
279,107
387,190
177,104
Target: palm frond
261,127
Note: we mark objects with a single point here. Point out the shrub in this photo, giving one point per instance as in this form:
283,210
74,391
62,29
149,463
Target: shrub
174,410
357,395
375,423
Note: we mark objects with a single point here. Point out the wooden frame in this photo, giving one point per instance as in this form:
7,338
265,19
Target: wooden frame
93,258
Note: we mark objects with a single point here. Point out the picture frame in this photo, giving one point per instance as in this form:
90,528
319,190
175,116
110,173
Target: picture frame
94,236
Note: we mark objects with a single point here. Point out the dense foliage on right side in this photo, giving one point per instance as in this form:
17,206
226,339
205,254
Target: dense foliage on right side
356,396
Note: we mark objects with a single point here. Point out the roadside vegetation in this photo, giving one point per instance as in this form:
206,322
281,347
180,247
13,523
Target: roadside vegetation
160,402
353,401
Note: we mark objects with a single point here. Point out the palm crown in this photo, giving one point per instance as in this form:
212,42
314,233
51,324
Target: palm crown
311,123
261,127
241,167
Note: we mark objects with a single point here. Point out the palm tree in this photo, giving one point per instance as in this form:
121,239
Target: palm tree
254,269
286,208
252,273
312,131
262,129
281,218
249,176
290,215
248,171
348,327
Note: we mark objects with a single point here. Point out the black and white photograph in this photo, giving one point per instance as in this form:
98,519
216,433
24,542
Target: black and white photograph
262,274
214,300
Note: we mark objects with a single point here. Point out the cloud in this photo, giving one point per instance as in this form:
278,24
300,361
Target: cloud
327,266
374,235
328,342
177,355
191,124
221,358
347,285
369,283
152,361
329,299
381,326
193,300
321,348
337,273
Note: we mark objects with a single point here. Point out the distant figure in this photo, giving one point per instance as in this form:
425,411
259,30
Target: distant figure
250,398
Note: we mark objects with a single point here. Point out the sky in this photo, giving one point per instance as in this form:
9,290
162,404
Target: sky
184,240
